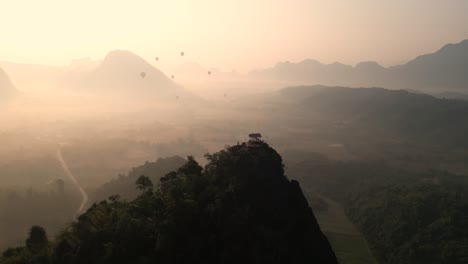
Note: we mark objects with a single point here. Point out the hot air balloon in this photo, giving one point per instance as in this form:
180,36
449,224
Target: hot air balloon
156,59
143,74
209,72
182,53
177,97
172,76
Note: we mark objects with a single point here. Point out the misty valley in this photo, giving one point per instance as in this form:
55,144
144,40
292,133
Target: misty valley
117,161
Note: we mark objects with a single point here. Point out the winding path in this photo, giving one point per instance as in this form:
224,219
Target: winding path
84,195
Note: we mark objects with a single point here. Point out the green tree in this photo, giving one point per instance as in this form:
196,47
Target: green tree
144,184
37,241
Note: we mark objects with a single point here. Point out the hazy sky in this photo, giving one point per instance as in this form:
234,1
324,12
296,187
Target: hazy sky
230,34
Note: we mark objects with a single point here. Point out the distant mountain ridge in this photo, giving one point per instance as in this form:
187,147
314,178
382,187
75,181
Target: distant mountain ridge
419,117
444,70
121,72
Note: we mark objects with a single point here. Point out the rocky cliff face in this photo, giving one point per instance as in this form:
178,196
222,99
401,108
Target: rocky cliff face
278,226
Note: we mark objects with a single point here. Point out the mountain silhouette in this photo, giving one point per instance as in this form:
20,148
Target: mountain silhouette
239,208
444,70
399,113
7,88
122,71
34,77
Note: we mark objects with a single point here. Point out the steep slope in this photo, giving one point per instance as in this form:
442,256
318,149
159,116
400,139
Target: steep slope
444,70
121,72
240,208
126,75
406,215
34,77
7,88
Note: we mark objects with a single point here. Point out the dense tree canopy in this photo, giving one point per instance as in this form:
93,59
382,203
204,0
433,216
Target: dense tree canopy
407,216
123,185
240,208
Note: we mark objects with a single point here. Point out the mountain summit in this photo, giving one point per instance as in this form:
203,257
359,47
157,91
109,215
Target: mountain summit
444,70
239,208
122,71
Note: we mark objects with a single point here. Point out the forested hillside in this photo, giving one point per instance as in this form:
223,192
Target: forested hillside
406,216
21,208
239,208
402,114
123,185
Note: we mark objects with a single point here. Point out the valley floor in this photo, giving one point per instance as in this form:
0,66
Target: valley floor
349,244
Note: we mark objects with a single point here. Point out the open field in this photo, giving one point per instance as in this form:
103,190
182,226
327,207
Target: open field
348,243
